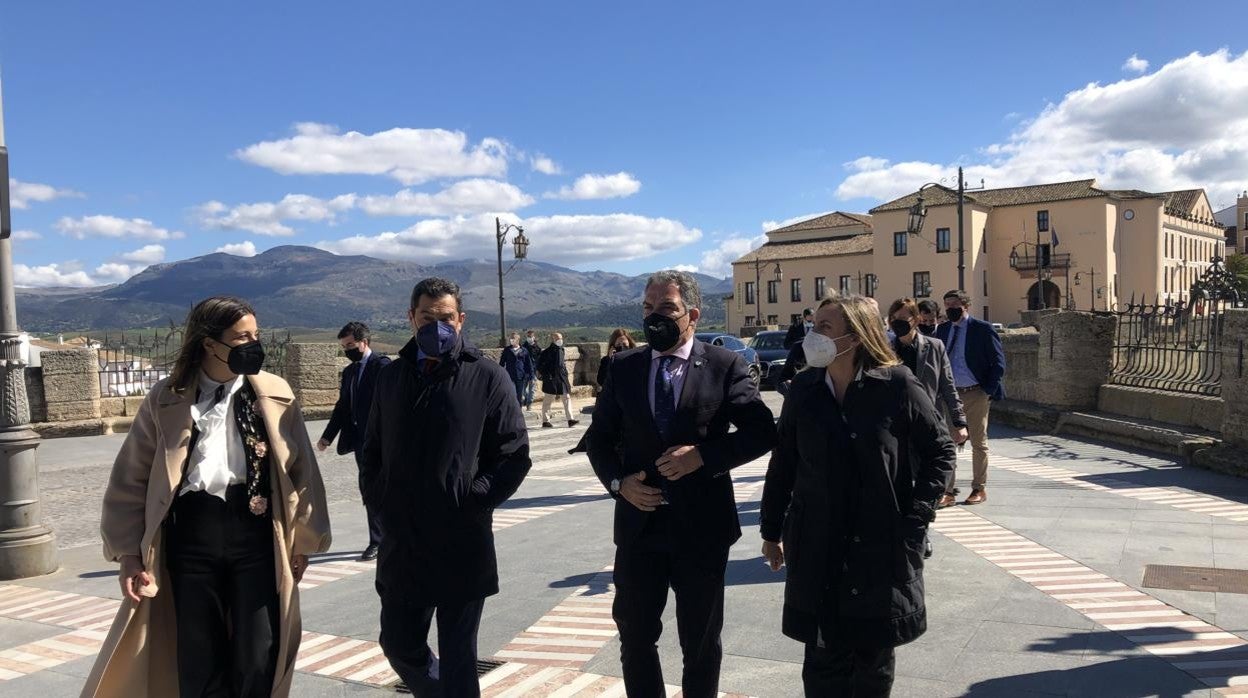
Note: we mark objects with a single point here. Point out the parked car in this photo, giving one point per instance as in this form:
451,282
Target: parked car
771,355
998,327
736,344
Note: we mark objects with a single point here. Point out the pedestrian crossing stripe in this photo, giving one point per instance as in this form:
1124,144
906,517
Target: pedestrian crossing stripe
1185,641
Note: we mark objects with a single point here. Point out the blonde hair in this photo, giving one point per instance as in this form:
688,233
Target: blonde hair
862,321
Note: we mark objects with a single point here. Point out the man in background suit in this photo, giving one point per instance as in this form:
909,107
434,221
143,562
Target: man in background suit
350,417
659,442
978,363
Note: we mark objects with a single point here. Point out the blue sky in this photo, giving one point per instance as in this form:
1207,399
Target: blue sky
625,138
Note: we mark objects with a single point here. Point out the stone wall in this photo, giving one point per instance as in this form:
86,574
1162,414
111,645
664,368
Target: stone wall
1235,379
1074,358
1021,348
71,385
34,394
314,372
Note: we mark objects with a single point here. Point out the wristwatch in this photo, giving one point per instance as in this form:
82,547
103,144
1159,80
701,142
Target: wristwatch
615,486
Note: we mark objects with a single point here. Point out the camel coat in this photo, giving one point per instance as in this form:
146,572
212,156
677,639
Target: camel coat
139,657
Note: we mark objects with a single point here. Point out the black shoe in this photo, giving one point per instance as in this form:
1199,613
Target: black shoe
927,548
370,553
572,423
547,425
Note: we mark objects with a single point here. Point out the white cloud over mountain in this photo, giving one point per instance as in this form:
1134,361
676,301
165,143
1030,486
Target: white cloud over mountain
266,218
113,227
23,194
246,248
466,196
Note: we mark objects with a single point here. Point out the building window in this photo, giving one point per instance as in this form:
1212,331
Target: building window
1046,257
772,319
922,284
795,318
749,295
844,283
899,244
985,285
983,243
795,290
749,320
984,317
821,287
1042,221
872,283
942,239
773,291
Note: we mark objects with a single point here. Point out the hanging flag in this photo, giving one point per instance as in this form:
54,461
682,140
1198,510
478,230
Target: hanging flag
1053,233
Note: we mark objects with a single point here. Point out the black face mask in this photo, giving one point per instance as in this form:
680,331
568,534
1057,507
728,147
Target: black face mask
954,314
662,332
621,347
901,328
354,354
245,359
928,330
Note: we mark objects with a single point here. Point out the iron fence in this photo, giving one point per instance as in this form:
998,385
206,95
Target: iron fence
1176,346
131,363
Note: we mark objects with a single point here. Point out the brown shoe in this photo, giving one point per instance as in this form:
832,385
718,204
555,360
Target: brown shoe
946,500
978,496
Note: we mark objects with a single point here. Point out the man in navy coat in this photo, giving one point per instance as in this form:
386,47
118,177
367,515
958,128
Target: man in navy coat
350,417
978,366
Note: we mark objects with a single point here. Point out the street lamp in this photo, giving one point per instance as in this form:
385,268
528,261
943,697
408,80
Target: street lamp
1092,279
1043,272
918,214
521,249
777,272
27,547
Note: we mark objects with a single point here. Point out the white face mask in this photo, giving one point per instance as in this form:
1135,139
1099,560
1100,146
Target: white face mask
820,350
515,342
558,342
809,326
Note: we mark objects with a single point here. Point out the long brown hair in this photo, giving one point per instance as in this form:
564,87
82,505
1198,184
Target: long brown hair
209,319
863,322
615,336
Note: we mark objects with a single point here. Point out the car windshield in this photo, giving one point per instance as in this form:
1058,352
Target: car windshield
768,341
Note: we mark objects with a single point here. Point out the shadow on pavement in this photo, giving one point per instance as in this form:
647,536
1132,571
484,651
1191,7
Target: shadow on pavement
550,501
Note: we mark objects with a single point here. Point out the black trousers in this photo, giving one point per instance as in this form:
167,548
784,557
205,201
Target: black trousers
220,560
644,571
842,672
405,642
374,515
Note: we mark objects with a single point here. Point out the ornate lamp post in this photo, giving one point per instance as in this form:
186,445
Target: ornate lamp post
918,213
27,547
1092,279
521,249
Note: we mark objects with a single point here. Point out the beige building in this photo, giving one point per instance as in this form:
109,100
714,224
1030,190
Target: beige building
796,266
1235,218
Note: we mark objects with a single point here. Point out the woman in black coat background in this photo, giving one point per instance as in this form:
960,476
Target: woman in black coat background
620,341
861,461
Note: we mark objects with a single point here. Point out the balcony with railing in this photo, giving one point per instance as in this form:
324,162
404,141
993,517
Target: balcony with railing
1031,262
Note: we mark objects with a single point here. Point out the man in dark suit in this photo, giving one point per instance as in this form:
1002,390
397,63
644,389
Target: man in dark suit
800,328
978,363
350,417
659,441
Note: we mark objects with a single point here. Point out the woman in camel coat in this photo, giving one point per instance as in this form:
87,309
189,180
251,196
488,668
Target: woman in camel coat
159,465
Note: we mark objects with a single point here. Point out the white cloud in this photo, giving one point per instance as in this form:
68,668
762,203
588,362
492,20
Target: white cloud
1181,126
468,196
1135,64
116,272
145,255
691,268
21,194
114,227
560,239
265,218
409,155
545,165
592,186
718,260
769,226
26,235
66,274
245,248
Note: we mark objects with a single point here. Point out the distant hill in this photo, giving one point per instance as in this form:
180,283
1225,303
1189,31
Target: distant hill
293,286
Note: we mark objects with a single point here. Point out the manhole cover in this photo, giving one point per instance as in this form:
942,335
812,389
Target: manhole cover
1182,578
484,666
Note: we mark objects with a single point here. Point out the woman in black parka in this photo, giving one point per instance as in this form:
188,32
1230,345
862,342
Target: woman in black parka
862,459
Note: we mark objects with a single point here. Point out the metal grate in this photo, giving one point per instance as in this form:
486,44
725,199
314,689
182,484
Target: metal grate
1227,581
484,666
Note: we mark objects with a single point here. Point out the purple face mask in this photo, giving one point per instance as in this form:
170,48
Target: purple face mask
436,338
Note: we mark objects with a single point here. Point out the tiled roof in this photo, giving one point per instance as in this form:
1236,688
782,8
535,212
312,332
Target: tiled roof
823,247
1184,200
941,195
836,219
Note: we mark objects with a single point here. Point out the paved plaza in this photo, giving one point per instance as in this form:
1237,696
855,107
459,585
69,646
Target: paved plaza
1038,592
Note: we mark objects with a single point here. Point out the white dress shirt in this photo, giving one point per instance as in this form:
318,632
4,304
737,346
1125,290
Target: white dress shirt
218,460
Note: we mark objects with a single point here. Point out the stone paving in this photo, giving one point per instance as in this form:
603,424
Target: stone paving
1037,592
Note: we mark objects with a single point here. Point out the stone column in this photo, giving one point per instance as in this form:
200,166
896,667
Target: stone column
71,384
590,358
1074,358
1235,377
314,373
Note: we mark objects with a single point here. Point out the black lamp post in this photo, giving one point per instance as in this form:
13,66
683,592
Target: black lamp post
758,290
521,248
918,213
1092,277
1043,273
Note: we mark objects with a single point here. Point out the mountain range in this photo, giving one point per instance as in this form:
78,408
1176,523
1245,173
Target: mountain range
306,287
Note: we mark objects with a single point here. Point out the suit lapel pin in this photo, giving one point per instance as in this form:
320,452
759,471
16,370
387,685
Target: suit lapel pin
697,363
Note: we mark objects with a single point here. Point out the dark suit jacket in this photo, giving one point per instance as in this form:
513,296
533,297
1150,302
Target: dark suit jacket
984,355
936,376
623,439
350,416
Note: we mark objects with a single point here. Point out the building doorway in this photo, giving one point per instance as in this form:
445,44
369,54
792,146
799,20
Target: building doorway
1052,297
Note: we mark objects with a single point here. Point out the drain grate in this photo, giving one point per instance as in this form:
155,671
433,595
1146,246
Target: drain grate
484,666
1227,581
